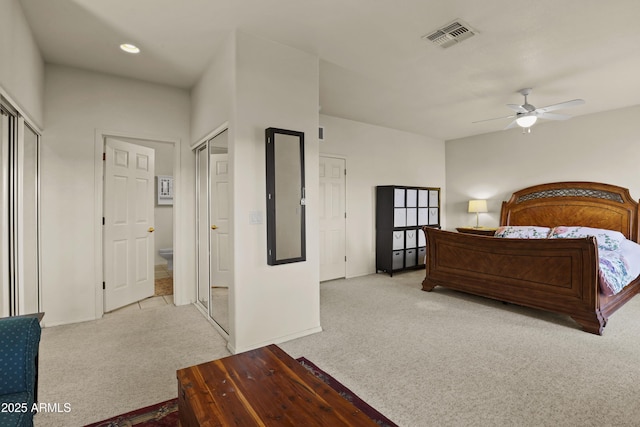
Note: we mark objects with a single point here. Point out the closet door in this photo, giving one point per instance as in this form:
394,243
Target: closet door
19,214
202,206
213,204
220,236
5,306
28,206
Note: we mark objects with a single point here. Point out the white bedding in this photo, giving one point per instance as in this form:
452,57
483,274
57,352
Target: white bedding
631,252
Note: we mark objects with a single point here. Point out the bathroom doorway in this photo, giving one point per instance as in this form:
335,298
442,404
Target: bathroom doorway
158,246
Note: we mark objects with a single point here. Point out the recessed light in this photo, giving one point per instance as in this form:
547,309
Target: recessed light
130,48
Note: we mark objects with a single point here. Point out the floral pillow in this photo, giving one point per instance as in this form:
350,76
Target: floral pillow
608,240
522,232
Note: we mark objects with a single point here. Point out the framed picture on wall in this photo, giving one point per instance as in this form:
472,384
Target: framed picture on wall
165,189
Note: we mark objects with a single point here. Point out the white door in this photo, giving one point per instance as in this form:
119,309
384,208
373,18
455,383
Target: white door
128,223
332,218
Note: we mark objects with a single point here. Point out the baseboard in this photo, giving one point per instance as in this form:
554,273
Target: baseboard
285,338
50,324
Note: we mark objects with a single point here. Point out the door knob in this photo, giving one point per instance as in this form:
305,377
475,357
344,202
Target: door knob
213,227
151,230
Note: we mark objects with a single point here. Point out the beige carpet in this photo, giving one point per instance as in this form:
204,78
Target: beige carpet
437,358
443,358
124,361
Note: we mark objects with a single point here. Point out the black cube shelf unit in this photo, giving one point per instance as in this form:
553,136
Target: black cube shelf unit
401,212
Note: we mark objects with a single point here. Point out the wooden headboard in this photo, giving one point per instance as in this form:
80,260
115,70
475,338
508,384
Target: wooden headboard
588,204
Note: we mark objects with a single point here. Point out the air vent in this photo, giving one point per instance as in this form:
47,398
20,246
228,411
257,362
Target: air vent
450,34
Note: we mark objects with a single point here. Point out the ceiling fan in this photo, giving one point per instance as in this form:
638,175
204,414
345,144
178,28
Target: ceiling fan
526,114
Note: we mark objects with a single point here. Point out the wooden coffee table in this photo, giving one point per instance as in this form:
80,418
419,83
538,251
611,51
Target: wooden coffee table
262,387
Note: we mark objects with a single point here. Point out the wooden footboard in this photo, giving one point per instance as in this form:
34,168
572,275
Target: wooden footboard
557,275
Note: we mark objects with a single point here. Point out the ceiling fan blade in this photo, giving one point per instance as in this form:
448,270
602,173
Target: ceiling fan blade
518,108
552,116
567,104
512,125
495,118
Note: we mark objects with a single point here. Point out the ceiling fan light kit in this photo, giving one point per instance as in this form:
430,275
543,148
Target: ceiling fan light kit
526,121
527,115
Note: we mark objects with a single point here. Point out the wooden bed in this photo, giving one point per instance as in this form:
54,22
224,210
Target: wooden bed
557,275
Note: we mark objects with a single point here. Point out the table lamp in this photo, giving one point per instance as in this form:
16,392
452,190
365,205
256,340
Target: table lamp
477,206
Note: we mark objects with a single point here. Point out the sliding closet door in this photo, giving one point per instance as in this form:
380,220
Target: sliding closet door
19,220
202,206
220,232
5,298
214,235
28,224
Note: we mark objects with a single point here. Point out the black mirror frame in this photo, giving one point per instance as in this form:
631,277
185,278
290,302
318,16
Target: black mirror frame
272,256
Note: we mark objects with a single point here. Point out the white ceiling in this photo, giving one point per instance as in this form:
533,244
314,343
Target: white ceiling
374,66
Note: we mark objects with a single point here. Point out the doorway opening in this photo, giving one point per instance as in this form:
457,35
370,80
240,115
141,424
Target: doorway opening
144,249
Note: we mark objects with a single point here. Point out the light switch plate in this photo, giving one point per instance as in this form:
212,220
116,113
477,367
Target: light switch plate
255,217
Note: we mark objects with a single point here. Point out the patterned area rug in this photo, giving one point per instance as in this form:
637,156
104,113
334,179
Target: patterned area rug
370,412
165,414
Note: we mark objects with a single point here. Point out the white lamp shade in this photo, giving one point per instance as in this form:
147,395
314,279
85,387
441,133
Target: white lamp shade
526,121
476,206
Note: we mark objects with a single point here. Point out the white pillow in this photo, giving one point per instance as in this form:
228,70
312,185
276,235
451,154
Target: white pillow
522,232
608,240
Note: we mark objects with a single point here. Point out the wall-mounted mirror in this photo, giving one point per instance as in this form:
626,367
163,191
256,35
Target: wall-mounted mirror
285,196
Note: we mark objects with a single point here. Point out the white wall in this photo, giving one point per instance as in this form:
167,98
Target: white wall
78,105
377,156
213,96
276,86
21,66
254,84
602,147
